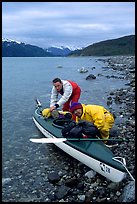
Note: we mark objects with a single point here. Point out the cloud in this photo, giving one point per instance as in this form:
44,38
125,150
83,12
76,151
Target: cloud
67,23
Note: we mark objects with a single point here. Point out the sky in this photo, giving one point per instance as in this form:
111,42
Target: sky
68,24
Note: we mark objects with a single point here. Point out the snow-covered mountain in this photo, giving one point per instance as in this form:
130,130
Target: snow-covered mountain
60,51
12,48
9,40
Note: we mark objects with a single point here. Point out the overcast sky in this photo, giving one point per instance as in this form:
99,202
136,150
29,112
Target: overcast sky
70,24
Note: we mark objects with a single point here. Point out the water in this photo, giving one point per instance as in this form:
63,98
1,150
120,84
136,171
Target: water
23,79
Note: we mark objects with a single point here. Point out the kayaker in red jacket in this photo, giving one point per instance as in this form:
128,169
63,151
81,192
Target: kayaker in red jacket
69,90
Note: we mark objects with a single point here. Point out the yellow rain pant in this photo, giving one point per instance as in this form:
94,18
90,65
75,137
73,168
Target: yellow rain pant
108,123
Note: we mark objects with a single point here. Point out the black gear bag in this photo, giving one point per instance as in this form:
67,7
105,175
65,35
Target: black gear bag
76,130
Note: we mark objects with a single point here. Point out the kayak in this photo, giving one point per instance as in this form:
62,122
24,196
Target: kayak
91,152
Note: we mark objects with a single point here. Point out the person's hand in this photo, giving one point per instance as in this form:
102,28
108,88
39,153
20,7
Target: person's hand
52,108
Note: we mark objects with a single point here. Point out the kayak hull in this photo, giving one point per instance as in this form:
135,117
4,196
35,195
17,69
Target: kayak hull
86,152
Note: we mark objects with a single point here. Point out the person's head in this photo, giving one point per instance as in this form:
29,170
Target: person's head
76,109
58,84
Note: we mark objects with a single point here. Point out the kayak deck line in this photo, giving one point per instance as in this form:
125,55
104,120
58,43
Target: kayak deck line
124,165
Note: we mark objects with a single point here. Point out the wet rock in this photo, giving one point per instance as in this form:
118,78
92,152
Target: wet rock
81,198
6,180
90,76
62,191
53,177
128,194
88,196
114,132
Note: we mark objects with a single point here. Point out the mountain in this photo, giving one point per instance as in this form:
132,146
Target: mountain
62,51
120,46
11,48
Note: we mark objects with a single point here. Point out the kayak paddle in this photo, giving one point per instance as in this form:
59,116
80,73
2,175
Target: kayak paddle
57,140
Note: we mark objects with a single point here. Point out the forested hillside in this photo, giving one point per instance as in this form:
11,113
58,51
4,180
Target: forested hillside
120,46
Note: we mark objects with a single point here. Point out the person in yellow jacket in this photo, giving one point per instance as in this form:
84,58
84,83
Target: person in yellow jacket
96,114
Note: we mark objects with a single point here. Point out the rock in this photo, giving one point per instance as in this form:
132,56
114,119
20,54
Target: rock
53,177
90,174
89,195
71,182
81,197
114,131
128,194
62,191
5,180
90,76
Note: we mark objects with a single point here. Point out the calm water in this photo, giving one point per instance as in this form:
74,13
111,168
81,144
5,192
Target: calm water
23,79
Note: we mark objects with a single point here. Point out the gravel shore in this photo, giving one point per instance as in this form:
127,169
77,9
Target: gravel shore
71,182
80,188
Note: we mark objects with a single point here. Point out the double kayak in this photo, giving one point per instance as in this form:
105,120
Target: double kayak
91,152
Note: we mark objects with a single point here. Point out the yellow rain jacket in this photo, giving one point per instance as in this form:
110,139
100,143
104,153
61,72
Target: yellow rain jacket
46,112
99,116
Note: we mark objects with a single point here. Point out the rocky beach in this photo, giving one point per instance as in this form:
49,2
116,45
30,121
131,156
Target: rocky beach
68,180
84,187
